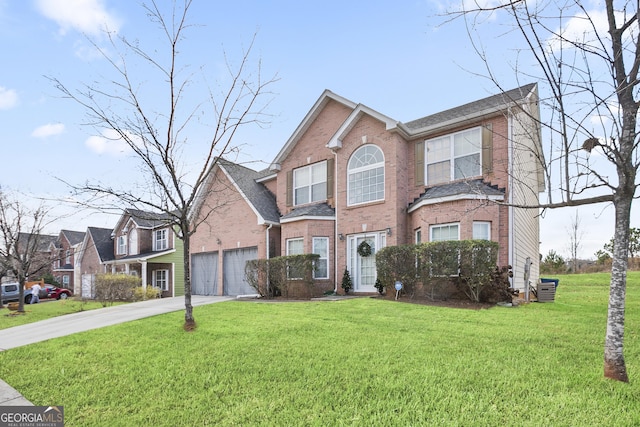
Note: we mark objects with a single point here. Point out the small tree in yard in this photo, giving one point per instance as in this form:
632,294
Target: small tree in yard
346,284
177,169
21,241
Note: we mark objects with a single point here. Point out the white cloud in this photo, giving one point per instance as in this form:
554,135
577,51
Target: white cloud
47,130
110,142
86,16
8,98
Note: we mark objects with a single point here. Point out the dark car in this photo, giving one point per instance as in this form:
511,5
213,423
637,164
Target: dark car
48,292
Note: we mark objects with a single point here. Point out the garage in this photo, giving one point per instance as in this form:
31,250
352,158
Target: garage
87,291
234,261
204,273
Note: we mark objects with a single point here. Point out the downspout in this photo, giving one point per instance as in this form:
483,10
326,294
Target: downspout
268,256
512,249
335,237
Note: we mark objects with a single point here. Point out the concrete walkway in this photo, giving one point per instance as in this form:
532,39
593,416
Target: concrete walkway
84,321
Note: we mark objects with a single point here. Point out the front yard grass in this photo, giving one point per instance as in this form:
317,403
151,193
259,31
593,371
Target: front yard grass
44,310
352,362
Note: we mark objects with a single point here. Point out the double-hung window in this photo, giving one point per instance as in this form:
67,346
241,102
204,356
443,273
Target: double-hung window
294,247
481,230
448,258
321,248
454,156
365,175
160,240
122,245
161,279
310,183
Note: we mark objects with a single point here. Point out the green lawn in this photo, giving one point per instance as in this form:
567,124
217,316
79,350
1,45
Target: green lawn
353,362
44,310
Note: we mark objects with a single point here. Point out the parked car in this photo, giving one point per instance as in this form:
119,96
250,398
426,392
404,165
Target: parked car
10,292
48,292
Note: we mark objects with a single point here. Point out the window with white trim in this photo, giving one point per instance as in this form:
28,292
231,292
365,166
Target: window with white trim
418,234
161,279
321,248
365,175
66,280
122,245
161,239
294,247
310,183
453,156
481,230
67,257
439,233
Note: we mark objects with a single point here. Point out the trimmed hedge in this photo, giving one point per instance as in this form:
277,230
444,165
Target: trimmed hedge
277,276
116,287
437,270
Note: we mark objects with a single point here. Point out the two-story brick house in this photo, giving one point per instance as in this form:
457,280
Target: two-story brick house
349,174
64,256
144,244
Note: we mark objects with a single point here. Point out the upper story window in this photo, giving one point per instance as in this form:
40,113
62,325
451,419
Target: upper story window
160,240
67,256
444,232
122,245
310,183
365,175
454,156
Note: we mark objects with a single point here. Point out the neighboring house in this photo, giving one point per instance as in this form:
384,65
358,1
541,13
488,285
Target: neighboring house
144,244
95,253
350,174
42,264
63,255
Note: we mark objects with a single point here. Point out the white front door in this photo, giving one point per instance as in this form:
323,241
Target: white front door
363,268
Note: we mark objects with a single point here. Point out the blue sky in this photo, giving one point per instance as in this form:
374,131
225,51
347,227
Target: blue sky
390,56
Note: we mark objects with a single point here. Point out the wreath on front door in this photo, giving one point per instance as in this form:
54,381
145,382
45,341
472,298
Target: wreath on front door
364,249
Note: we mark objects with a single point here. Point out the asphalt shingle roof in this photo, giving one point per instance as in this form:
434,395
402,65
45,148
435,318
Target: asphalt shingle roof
102,241
146,219
476,186
492,102
319,209
259,196
74,237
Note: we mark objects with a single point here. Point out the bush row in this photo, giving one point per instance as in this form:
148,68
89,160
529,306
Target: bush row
277,276
121,287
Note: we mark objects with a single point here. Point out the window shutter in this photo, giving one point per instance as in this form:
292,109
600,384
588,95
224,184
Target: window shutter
419,163
330,173
487,149
289,188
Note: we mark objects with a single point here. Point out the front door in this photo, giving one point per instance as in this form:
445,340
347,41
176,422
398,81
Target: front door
362,268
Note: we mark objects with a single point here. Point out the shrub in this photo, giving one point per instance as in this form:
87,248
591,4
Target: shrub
499,287
277,275
141,294
346,284
398,264
115,287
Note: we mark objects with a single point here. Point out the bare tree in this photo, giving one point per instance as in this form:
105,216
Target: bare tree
157,132
23,247
575,240
590,101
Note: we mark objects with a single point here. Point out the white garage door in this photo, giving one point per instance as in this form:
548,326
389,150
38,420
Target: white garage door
87,285
234,261
204,273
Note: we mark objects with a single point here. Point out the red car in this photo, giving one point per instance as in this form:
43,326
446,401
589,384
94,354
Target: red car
48,292
55,292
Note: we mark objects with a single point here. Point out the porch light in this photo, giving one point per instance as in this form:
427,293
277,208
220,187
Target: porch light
388,231
341,236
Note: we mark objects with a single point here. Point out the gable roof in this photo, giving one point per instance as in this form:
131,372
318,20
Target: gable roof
470,111
43,242
143,219
475,189
306,122
73,237
102,242
259,198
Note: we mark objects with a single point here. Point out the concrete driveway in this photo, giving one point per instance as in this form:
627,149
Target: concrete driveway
85,321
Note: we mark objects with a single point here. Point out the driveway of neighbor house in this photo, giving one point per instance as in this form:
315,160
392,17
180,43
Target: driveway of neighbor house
84,321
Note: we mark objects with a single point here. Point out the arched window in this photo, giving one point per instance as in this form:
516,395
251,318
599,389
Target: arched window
365,175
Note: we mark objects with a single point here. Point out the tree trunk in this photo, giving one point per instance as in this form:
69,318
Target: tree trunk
614,365
189,321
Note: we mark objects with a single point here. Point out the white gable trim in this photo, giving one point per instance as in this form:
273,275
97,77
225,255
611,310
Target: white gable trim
359,111
308,218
